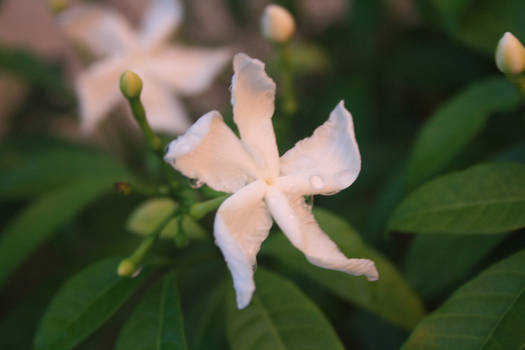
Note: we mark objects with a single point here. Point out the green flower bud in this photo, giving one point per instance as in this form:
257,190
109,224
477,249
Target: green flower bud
130,84
58,6
126,268
510,55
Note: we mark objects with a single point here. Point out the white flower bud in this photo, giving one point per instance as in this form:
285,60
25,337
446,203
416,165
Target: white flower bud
277,24
510,55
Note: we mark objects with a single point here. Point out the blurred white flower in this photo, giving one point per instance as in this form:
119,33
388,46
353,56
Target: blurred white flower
265,185
277,24
510,55
164,68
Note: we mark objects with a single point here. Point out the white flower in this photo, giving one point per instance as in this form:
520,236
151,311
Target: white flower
265,185
163,67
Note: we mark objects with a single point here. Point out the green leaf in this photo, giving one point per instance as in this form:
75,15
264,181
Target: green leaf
205,319
435,262
481,23
83,304
279,317
41,219
390,297
456,123
488,198
486,313
55,166
157,321
152,213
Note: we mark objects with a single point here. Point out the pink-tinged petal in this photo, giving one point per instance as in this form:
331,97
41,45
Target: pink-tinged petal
102,30
187,70
297,222
165,112
98,90
253,95
325,163
160,21
242,223
211,153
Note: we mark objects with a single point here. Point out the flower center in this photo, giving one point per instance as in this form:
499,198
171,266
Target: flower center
269,181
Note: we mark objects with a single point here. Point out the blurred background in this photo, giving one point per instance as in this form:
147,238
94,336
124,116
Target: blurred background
394,62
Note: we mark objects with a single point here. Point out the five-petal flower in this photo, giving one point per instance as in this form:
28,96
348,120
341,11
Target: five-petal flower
265,185
163,67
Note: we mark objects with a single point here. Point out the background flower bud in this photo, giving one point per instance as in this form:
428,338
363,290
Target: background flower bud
277,24
510,55
130,84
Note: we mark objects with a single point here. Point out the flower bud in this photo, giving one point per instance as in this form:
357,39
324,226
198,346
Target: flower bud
277,24
510,55
126,268
58,6
130,85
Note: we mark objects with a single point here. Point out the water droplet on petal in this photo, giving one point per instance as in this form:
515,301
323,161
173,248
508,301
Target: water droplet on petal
317,182
309,201
196,183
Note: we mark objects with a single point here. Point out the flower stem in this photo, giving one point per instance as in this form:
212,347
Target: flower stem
519,81
289,103
129,266
199,210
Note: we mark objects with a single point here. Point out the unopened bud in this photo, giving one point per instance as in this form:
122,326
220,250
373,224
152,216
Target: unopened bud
277,24
123,187
130,84
510,55
126,268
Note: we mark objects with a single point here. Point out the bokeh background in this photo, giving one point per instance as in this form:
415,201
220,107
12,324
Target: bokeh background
394,62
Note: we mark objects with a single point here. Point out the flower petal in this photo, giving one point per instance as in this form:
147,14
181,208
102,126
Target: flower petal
165,112
98,90
188,70
326,162
253,95
102,30
211,153
242,223
160,21
298,224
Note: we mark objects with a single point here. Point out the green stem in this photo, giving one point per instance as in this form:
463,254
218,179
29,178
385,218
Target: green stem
519,81
289,103
130,265
199,210
153,141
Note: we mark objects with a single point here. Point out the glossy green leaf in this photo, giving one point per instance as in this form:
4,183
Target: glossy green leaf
488,198
152,213
435,262
40,171
486,313
390,297
157,321
456,123
279,317
41,219
83,304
